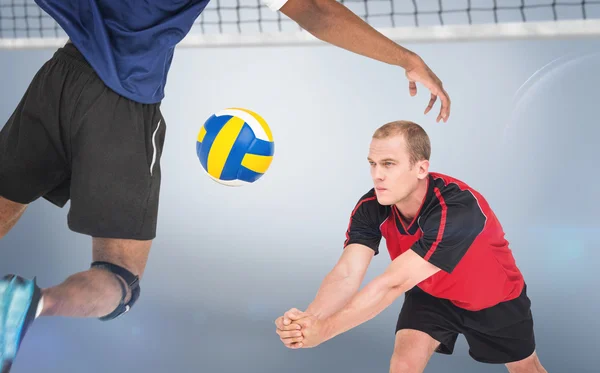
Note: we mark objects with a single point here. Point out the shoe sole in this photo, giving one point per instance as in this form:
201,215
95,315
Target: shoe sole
18,305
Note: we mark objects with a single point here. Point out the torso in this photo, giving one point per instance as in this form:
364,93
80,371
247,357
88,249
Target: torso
457,231
129,43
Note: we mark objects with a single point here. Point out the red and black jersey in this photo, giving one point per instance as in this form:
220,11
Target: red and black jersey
456,231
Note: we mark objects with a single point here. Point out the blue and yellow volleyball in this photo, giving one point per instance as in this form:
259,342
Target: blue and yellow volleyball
235,147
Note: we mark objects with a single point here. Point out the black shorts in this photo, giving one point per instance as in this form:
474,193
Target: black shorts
496,335
72,138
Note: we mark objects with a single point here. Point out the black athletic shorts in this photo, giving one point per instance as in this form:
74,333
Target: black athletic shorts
73,138
496,335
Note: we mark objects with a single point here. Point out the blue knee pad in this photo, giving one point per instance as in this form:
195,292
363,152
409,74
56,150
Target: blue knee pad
133,282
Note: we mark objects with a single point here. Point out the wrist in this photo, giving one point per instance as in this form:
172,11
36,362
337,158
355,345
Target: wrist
315,312
328,327
409,60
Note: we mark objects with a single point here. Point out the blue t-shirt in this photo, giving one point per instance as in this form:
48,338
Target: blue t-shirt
129,43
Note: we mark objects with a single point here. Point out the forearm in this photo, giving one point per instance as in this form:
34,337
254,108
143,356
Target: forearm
332,22
335,291
365,305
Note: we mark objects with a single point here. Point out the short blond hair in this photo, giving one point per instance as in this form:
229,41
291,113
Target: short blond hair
417,140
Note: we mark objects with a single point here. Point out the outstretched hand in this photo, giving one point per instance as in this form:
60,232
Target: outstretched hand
290,333
419,72
298,329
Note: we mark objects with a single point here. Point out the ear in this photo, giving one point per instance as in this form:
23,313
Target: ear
422,169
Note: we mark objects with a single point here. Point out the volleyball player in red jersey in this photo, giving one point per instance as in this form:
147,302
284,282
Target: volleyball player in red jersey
449,258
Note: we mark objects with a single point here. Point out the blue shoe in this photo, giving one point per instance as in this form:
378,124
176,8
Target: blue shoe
19,299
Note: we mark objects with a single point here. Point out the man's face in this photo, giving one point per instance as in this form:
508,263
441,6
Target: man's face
393,176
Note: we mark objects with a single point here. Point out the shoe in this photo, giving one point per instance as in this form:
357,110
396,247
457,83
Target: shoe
19,300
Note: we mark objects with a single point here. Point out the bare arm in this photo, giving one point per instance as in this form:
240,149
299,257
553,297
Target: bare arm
405,272
342,282
332,22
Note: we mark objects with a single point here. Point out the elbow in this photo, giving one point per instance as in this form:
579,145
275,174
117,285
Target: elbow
392,285
342,270
344,274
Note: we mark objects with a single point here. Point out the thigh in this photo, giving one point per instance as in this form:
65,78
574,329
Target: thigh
435,317
10,212
412,351
503,333
115,185
33,159
529,364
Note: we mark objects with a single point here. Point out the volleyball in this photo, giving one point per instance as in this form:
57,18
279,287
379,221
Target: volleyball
235,147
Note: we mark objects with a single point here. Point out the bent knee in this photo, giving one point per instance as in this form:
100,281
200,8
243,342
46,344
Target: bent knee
530,364
404,364
130,287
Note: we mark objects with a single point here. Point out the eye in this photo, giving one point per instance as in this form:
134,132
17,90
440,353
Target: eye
387,164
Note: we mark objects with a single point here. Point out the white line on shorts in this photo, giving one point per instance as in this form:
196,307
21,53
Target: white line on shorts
154,147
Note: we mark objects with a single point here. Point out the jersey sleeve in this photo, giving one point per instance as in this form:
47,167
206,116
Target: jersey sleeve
275,5
449,230
365,220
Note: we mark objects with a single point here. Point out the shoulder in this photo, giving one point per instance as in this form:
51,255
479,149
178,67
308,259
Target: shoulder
367,206
448,189
453,199
369,198
365,222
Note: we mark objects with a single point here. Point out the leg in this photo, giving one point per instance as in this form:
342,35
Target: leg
33,164
530,364
412,351
503,334
10,212
107,162
425,325
97,292
32,155
114,189
92,293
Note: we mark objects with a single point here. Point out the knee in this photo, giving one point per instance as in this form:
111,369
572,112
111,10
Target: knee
402,364
530,364
130,288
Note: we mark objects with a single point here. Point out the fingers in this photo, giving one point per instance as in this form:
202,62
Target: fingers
432,101
445,109
291,339
289,333
294,346
279,323
292,315
412,88
422,74
289,328
291,342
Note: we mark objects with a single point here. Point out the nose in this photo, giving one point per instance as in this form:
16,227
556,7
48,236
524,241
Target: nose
377,173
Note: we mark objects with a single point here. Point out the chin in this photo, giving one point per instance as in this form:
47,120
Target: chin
385,201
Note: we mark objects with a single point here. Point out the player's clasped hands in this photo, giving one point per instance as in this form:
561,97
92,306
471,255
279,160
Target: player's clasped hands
298,329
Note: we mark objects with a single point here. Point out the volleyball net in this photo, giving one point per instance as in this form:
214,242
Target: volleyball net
23,24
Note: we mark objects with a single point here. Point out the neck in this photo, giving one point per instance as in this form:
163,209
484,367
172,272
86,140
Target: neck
409,207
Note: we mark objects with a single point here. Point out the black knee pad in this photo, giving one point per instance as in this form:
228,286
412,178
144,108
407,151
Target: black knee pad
133,282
